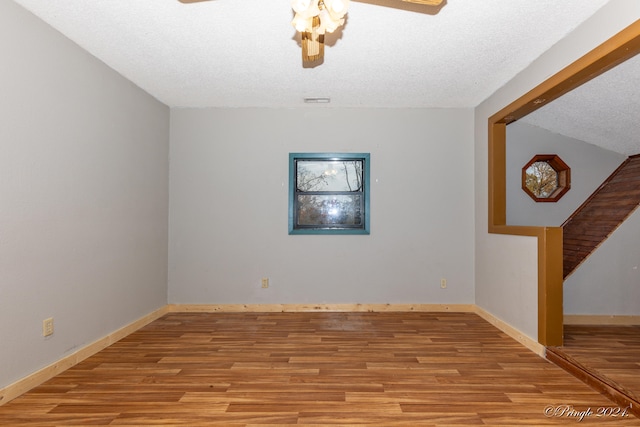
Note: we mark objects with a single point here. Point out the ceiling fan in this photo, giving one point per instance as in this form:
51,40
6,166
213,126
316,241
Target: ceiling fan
314,18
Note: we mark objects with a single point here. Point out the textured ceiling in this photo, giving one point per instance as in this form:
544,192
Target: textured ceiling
237,53
604,111
245,53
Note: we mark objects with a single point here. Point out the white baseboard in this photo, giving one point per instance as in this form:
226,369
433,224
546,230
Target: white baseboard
25,384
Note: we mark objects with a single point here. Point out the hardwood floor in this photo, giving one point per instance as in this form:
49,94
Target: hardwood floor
314,369
607,356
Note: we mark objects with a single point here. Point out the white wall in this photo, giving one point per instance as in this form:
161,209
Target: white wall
83,196
501,268
590,166
228,209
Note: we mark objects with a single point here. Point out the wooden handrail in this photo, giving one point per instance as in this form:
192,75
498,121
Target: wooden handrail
590,198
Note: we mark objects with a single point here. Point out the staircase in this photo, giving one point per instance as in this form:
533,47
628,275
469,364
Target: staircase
601,214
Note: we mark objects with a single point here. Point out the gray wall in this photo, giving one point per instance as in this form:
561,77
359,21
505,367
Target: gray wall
590,166
506,266
607,283
228,210
83,196
84,200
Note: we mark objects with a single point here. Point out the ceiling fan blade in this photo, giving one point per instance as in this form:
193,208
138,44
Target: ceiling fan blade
427,2
191,1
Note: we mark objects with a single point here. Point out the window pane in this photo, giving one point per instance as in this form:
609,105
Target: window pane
329,175
542,179
329,193
334,210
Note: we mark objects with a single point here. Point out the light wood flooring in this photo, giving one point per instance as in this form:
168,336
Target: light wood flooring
608,355
313,369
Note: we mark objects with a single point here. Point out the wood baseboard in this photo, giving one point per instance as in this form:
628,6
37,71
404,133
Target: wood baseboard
595,380
523,339
231,308
589,319
25,384
453,308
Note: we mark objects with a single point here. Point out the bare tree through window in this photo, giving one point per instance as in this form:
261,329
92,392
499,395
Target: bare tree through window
542,179
329,193
546,178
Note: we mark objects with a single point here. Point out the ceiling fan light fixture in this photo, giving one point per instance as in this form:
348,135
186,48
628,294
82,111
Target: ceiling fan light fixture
337,8
301,24
301,6
313,19
313,42
327,23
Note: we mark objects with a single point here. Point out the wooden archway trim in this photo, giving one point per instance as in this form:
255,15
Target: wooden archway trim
614,51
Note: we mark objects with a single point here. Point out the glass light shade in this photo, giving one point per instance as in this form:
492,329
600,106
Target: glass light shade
310,10
301,23
300,5
327,23
339,7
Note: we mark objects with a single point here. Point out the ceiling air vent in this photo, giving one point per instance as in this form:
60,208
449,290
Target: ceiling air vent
317,100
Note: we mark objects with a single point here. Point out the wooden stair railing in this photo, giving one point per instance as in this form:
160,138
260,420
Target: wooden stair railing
599,216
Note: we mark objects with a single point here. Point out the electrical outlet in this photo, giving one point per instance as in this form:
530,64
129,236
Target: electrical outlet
443,283
265,282
47,327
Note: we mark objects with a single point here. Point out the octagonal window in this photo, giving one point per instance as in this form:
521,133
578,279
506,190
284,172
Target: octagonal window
546,178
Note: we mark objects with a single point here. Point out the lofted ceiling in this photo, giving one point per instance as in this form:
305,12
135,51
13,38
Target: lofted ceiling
604,111
245,53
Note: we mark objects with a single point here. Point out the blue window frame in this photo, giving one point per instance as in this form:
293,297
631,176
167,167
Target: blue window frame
329,193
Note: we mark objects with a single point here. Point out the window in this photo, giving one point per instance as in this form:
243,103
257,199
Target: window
329,193
546,178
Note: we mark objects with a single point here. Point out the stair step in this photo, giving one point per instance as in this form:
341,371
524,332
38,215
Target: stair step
603,212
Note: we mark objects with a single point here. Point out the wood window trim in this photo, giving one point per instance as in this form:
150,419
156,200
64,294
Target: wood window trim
612,52
562,170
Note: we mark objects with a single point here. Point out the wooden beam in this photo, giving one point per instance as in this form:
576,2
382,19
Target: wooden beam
427,2
614,51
